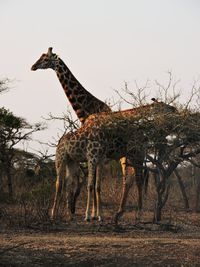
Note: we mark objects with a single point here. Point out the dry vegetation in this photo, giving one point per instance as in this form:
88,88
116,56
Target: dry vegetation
29,238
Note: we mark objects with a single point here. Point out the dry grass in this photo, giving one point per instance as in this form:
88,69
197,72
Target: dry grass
29,238
92,244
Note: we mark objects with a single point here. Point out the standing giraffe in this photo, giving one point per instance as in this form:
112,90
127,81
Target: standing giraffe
82,101
109,136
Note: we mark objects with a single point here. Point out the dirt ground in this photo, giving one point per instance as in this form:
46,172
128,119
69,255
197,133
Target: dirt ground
94,244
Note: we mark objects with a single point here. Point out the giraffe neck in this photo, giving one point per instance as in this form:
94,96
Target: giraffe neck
83,102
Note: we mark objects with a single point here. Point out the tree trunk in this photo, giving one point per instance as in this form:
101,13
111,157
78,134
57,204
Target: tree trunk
9,182
1,181
158,209
162,190
182,188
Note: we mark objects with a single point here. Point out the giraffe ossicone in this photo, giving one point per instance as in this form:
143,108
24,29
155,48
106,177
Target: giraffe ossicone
50,51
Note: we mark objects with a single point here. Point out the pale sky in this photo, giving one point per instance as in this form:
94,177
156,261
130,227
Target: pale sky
103,42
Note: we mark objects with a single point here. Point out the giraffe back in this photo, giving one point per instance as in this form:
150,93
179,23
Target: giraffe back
111,135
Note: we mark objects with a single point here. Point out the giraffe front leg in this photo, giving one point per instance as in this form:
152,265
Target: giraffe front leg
98,194
96,209
69,203
90,189
94,204
61,172
57,198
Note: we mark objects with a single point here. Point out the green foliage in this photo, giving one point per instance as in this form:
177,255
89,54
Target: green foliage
39,194
11,129
8,119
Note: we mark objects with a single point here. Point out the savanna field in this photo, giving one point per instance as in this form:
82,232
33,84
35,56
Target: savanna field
30,238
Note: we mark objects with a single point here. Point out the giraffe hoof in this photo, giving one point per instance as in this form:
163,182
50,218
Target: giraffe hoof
100,219
52,218
116,218
87,219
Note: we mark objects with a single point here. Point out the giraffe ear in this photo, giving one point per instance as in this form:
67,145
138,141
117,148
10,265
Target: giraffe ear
50,51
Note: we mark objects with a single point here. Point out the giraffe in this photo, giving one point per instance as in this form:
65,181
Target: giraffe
103,137
82,101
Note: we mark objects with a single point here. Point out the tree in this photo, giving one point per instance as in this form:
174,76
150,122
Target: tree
180,142
4,85
169,146
13,130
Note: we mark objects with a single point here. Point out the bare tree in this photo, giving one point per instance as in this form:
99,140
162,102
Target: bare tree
182,144
165,155
4,85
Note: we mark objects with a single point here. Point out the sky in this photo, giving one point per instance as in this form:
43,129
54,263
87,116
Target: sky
103,42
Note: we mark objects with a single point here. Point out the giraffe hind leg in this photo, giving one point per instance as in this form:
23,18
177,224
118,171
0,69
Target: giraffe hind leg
78,189
127,184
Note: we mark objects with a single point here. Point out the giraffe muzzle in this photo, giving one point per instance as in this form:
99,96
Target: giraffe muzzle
33,68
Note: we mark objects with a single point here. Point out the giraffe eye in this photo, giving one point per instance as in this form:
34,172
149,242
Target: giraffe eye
45,59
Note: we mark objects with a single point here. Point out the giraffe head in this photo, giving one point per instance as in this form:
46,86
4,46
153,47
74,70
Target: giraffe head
46,61
159,106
